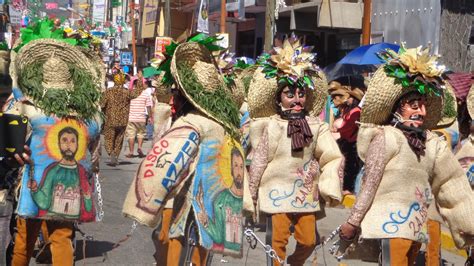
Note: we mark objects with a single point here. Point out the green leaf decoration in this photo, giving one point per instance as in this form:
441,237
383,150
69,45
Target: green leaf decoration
82,100
449,106
3,46
218,103
44,29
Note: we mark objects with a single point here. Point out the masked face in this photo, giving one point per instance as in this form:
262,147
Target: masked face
413,110
338,99
293,99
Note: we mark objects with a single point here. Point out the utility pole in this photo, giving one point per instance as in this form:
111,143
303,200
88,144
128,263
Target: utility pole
134,47
269,24
366,22
223,15
168,18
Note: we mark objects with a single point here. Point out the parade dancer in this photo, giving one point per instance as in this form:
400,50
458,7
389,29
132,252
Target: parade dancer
61,90
465,156
405,164
295,159
115,104
198,162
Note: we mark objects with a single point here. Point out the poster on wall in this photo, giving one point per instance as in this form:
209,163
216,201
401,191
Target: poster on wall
203,17
160,46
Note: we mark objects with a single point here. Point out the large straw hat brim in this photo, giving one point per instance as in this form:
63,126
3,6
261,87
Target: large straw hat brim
262,93
99,70
448,120
162,91
190,54
242,84
470,102
42,49
382,94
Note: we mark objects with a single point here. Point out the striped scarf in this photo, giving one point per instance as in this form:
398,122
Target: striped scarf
300,133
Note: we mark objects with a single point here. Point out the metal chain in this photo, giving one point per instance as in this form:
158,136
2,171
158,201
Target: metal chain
134,227
249,233
100,201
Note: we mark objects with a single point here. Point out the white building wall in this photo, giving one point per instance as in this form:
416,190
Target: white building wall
413,22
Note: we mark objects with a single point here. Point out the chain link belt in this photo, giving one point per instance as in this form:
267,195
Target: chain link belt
100,201
252,239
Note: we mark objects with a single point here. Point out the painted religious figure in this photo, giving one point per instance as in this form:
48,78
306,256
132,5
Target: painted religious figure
229,202
58,184
59,192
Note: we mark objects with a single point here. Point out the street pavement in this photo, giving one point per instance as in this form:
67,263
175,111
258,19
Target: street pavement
138,249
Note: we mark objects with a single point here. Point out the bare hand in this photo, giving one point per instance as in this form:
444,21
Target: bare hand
348,231
18,161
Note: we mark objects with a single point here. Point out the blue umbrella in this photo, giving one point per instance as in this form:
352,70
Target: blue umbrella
358,61
367,54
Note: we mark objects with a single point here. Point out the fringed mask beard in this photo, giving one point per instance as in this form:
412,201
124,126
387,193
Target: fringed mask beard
292,102
292,108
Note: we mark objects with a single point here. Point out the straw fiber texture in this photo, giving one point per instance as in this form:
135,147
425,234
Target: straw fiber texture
4,62
382,94
438,172
162,91
470,102
262,90
450,107
56,74
42,49
214,100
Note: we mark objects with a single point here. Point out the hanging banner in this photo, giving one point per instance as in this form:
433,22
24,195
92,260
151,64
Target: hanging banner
203,17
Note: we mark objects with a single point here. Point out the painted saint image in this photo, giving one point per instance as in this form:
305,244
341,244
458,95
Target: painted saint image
64,189
227,206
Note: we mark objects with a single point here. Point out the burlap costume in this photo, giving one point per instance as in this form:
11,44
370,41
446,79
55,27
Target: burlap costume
191,163
60,86
284,183
398,186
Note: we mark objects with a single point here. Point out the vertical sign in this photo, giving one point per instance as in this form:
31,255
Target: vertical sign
203,17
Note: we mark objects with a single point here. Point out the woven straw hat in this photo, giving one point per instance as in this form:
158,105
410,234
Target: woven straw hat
197,58
56,75
4,62
449,102
262,93
43,50
242,83
382,94
470,102
162,91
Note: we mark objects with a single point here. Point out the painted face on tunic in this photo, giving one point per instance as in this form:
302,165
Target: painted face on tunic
237,170
413,109
68,145
293,99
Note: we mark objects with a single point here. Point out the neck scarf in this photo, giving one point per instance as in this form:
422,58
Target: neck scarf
416,138
298,130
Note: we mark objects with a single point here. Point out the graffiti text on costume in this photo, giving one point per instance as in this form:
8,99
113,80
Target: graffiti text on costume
153,156
302,188
415,217
307,174
183,158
